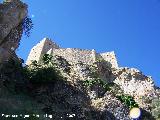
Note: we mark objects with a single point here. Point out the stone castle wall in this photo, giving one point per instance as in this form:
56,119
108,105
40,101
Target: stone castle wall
41,48
111,58
72,55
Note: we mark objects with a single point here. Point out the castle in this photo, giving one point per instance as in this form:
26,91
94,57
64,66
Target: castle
67,96
131,80
70,54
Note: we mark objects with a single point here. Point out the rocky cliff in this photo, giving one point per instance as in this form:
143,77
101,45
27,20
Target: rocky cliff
67,83
12,14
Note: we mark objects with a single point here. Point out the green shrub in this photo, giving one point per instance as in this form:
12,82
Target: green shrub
44,71
44,74
100,82
46,59
156,108
27,26
95,76
128,100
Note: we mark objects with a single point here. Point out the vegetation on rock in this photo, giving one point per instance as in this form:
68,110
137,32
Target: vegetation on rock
127,100
27,26
156,108
50,101
43,72
100,82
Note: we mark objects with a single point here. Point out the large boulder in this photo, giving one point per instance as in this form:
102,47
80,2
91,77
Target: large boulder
12,14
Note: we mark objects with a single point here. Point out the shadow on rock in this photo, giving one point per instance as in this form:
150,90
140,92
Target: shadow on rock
146,116
67,102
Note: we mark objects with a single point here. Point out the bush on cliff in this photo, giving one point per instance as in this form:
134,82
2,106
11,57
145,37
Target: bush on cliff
27,26
43,72
156,108
127,100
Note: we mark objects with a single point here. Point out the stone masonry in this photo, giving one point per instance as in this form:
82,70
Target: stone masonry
41,48
70,54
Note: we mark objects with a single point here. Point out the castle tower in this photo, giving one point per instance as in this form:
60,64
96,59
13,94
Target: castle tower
40,49
94,55
111,58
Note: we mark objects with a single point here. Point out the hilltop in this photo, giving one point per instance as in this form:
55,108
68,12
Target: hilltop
66,83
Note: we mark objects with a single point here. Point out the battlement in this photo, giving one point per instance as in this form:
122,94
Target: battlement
72,55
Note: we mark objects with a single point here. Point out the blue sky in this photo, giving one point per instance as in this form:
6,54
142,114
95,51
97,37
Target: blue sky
131,28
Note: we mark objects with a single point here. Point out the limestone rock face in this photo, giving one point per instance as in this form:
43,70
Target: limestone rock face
136,84
12,13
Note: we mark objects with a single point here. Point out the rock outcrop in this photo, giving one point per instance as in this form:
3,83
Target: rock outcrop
83,84
128,81
12,14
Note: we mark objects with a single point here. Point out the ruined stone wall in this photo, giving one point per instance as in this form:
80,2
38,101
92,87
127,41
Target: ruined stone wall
35,53
41,48
74,55
110,57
